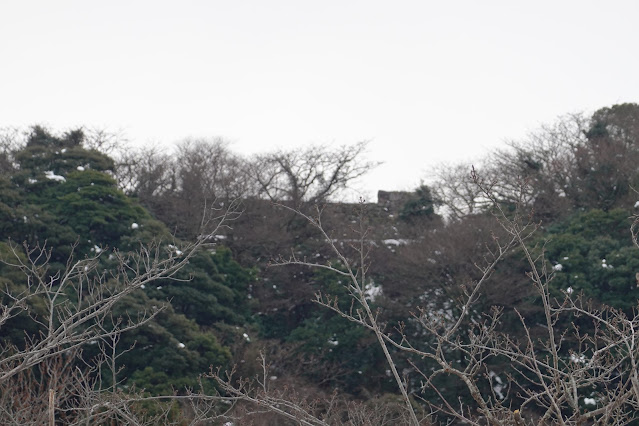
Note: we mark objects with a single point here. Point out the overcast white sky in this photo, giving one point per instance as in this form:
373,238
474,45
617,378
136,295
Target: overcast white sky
425,81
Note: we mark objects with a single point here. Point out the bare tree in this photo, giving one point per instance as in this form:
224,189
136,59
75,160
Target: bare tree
454,188
210,167
310,175
145,173
575,162
104,140
545,160
177,186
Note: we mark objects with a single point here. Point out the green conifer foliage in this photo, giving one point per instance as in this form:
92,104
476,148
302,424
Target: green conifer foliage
343,353
65,197
421,205
592,252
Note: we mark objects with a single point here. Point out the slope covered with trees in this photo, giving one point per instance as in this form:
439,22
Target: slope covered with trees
61,208
503,292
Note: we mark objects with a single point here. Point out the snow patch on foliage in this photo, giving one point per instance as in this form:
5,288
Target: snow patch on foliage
175,250
578,358
498,384
390,242
372,291
52,176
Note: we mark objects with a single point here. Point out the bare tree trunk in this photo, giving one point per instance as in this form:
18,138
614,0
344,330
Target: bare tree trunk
51,407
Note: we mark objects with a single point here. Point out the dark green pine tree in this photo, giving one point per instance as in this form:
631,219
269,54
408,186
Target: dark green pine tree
421,205
63,195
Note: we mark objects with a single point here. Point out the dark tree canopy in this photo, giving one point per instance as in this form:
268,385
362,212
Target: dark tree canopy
65,198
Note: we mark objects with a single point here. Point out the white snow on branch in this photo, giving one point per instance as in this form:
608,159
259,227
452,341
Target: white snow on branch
52,176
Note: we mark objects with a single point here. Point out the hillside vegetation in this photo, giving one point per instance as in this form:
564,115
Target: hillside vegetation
202,287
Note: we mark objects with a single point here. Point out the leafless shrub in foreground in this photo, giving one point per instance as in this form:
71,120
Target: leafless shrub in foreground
44,378
578,367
